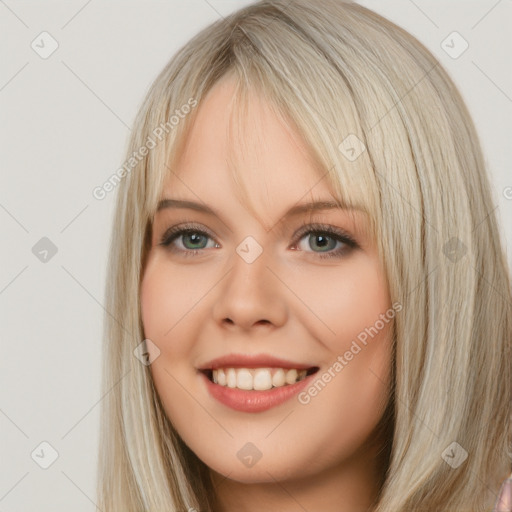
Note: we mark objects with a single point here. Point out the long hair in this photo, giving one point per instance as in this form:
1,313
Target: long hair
340,75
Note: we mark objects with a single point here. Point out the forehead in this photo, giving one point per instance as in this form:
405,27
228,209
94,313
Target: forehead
227,148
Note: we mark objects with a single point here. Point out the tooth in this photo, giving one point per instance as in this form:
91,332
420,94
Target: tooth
262,380
291,376
244,379
231,377
259,379
278,378
221,377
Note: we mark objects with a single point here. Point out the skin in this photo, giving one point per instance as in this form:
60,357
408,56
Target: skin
290,302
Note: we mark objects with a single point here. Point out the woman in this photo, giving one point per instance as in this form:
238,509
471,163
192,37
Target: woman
310,308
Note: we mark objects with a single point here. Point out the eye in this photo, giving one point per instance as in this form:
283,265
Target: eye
326,241
187,239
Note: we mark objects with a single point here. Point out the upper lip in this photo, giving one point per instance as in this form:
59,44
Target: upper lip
252,361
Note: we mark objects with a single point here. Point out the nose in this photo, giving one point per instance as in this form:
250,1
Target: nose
251,295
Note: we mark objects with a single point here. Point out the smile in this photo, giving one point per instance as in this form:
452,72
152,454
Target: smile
289,383
254,382
258,379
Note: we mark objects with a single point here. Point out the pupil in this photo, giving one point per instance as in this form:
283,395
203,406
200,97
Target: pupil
194,237
324,241
321,238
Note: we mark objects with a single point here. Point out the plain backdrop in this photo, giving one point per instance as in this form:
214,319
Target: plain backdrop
65,120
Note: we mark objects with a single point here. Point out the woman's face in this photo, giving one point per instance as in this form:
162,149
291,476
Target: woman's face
238,286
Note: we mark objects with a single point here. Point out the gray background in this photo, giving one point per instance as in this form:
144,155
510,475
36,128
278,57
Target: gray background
65,122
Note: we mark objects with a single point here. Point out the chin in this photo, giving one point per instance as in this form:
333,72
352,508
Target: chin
260,473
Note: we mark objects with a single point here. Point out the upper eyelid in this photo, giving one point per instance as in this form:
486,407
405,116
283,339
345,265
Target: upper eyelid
187,226
320,226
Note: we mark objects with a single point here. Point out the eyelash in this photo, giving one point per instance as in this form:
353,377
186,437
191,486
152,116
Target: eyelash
320,229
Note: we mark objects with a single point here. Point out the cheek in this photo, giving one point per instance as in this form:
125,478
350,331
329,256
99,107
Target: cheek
153,299
345,299
165,310
356,326
167,298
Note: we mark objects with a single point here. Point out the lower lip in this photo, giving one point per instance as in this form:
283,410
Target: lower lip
254,401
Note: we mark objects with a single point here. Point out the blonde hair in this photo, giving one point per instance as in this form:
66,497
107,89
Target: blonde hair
333,69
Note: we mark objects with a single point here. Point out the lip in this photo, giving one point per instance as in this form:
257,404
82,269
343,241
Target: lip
253,361
254,401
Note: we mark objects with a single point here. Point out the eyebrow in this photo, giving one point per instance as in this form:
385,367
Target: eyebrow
293,211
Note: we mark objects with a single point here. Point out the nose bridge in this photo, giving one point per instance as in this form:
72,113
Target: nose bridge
250,275
251,292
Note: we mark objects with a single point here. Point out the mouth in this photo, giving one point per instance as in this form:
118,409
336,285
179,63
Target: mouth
257,379
254,382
